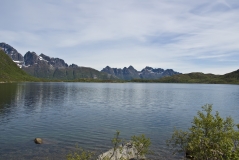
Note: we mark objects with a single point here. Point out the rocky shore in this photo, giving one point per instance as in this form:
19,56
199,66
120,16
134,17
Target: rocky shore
124,151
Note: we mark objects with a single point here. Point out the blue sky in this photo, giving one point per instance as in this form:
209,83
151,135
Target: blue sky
184,35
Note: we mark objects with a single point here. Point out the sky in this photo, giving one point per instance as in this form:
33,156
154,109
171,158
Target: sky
183,35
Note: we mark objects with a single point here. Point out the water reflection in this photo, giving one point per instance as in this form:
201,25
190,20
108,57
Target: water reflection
7,92
8,95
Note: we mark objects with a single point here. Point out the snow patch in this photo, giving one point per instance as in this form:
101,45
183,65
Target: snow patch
18,61
42,59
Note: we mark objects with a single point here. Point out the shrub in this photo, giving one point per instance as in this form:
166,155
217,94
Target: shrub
80,154
210,137
141,143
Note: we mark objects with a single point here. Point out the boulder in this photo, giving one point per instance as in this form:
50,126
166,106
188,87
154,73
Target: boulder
124,151
38,140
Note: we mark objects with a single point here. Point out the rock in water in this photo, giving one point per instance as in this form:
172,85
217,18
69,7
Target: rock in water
38,140
127,151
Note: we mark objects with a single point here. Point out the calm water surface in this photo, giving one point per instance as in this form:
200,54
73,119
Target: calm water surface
88,114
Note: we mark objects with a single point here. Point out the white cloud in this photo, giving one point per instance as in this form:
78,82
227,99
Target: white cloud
166,33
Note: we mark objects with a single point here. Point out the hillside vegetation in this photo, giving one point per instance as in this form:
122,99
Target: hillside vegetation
10,72
197,77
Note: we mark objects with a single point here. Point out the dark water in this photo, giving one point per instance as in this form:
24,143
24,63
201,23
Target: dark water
88,114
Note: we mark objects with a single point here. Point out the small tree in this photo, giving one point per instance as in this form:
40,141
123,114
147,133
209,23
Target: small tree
115,141
210,137
141,143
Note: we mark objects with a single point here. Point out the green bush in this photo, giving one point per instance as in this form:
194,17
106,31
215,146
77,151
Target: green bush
79,154
141,143
210,137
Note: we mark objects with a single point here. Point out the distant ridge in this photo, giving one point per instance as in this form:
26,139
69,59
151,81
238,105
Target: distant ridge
146,73
197,77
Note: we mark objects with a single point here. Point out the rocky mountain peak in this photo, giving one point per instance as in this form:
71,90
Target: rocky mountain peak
109,70
57,62
146,73
11,52
73,66
30,58
125,73
131,67
44,57
148,68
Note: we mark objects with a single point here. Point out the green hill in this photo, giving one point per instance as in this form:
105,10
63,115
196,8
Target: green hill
198,77
10,72
195,77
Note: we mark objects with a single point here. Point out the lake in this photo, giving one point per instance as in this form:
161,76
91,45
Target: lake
88,114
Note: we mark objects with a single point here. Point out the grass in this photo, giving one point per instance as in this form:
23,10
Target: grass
10,72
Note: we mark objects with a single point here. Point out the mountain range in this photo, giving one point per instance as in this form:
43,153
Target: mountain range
43,66
146,73
48,68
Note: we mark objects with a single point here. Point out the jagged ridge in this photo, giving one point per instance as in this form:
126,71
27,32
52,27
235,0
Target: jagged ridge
146,73
43,66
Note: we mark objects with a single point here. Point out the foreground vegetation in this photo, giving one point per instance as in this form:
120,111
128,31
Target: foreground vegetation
209,138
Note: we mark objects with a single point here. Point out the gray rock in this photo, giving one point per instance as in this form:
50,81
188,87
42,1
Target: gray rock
30,58
127,151
55,62
38,140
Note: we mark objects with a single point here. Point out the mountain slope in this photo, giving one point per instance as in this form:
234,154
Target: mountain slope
11,52
9,71
232,77
196,77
